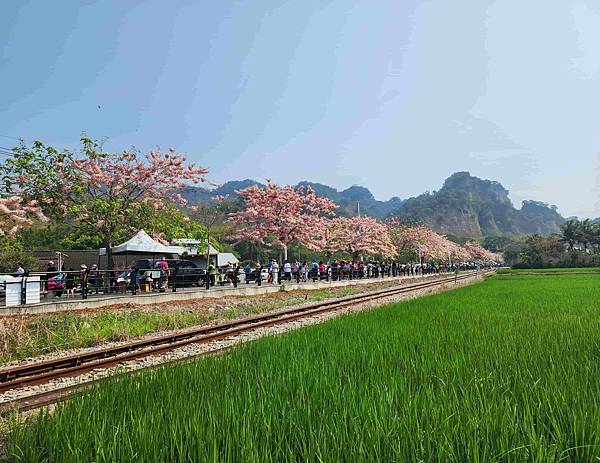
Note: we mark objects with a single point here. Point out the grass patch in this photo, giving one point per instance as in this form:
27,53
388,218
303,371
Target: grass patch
40,335
505,370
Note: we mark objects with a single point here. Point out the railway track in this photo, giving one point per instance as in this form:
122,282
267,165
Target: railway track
38,373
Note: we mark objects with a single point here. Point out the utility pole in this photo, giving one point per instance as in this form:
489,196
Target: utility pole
206,276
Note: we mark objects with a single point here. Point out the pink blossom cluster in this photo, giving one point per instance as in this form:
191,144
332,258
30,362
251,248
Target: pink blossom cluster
15,214
129,177
286,214
480,254
358,236
429,245
365,236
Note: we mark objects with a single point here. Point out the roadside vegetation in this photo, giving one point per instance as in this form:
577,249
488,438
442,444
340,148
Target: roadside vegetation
577,245
27,336
505,370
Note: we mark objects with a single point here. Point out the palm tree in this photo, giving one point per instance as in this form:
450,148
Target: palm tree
569,233
586,231
595,241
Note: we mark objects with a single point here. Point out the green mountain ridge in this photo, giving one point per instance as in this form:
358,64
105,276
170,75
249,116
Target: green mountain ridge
465,206
471,207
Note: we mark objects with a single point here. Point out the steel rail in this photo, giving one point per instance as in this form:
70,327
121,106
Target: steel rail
54,396
38,373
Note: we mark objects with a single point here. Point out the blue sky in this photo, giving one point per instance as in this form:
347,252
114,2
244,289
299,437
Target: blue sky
393,95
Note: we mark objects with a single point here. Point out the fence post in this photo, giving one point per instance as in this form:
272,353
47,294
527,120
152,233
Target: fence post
23,290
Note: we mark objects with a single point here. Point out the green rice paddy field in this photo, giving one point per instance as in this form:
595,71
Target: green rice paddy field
504,370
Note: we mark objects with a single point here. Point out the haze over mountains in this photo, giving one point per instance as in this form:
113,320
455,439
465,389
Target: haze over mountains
465,206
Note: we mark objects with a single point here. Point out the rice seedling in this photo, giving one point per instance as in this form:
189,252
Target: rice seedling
505,370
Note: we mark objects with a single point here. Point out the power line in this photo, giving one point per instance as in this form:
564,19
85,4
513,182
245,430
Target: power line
8,136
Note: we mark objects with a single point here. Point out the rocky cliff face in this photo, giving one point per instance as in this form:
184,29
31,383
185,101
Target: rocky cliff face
471,207
465,206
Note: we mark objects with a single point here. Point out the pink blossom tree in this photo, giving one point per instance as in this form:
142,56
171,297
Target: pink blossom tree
480,254
458,253
115,186
107,194
15,214
285,214
365,236
422,242
328,236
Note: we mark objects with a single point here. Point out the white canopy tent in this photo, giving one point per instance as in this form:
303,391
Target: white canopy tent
224,258
142,243
192,247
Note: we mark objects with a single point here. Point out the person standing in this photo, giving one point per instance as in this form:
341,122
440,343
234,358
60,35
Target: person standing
164,268
270,271
322,270
247,272
20,270
287,271
164,264
258,273
70,282
274,271
235,275
314,270
83,280
212,274
94,278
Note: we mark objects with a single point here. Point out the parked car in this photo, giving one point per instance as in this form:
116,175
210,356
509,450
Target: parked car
188,273
264,273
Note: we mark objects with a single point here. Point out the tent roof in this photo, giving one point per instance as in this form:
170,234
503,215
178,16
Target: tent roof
193,251
141,243
223,258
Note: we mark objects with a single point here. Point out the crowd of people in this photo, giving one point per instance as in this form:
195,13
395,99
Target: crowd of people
343,270
63,281
67,282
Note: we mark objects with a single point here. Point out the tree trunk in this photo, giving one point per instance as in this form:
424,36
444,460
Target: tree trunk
285,252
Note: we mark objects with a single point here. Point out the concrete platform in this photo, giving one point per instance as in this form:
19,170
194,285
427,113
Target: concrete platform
189,294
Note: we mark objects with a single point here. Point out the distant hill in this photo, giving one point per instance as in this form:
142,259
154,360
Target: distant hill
465,206
349,200
471,207
195,195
